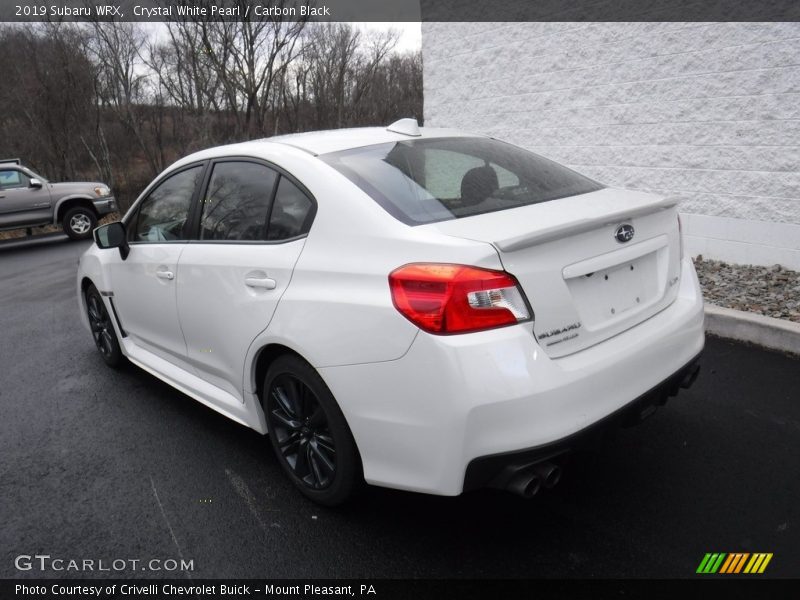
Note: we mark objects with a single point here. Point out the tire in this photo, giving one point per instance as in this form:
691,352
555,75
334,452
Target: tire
309,433
105,338
79,222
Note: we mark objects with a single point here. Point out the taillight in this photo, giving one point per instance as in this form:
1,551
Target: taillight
445,298
680,234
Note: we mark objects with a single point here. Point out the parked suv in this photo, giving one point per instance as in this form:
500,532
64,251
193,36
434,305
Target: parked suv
28,200
425,309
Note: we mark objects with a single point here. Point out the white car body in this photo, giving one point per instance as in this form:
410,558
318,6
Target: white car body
421,407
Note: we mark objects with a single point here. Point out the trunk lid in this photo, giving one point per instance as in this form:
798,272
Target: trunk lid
584,284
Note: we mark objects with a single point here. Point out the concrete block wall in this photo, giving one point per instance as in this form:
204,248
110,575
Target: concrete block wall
706,112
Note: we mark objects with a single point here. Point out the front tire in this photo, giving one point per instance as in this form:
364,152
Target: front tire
308,432
105,338
79,222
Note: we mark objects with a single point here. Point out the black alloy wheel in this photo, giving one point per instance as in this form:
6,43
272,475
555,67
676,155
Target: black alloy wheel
302,432
308,432
105,338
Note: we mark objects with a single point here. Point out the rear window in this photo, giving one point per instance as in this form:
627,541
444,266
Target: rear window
429,180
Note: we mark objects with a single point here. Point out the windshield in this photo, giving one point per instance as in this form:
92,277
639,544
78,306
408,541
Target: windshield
429,180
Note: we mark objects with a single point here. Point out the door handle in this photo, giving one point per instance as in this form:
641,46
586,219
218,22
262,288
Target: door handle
260,282
165,275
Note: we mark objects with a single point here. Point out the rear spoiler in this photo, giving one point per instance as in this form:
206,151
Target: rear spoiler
581,225
12,161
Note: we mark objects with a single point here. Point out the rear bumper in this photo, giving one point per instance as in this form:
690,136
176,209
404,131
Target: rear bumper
496,470
420,421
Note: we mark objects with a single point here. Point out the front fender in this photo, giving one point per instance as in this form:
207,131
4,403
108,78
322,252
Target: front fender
61,201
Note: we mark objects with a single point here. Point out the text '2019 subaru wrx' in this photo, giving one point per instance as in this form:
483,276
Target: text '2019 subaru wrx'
419,308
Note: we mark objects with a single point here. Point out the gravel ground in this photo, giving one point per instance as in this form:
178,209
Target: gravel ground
771,291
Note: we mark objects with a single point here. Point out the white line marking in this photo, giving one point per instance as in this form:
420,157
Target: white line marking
166,520
249,498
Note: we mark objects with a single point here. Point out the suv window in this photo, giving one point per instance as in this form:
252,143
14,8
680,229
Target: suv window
292,213
11,178
237,202
162,216
439,179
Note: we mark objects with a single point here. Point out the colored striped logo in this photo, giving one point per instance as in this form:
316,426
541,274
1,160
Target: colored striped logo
734,562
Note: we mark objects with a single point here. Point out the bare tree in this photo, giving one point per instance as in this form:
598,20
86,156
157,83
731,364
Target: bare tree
117,49
247,57
344,65
111,101
44,103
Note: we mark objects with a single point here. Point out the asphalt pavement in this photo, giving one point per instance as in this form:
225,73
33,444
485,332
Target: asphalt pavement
102,465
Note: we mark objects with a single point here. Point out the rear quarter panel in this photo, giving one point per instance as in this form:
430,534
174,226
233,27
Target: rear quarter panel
338,308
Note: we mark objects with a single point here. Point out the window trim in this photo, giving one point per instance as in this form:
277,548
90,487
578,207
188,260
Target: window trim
133,212
195,217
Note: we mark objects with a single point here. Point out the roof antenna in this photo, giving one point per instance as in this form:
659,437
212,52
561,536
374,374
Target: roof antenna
406,127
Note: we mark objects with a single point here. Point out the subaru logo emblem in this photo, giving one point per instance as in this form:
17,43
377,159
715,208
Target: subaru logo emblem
624,233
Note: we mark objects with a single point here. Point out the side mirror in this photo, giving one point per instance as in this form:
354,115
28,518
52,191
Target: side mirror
35,183
112,236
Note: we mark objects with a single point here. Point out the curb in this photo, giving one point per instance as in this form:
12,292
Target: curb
768,332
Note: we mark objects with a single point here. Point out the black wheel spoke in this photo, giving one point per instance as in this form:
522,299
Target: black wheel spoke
108,345
316,474
286,420
285,403
320,458
290,440
298,397
325,441
93,314
301,466
290,446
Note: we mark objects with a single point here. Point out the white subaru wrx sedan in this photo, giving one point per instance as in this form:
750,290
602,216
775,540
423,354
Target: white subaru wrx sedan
422,309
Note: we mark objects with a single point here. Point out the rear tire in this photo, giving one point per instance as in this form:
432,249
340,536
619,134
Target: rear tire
309,433
79,222
105,338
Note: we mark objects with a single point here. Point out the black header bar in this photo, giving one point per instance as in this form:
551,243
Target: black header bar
400,10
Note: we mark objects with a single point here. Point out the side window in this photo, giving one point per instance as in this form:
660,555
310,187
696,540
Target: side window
11,178
163,214
292,213
237,202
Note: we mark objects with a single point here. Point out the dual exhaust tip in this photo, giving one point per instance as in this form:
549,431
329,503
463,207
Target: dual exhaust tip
528,481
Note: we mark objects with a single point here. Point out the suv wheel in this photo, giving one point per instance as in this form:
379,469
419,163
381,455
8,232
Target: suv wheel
308,432
79,222
105,338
